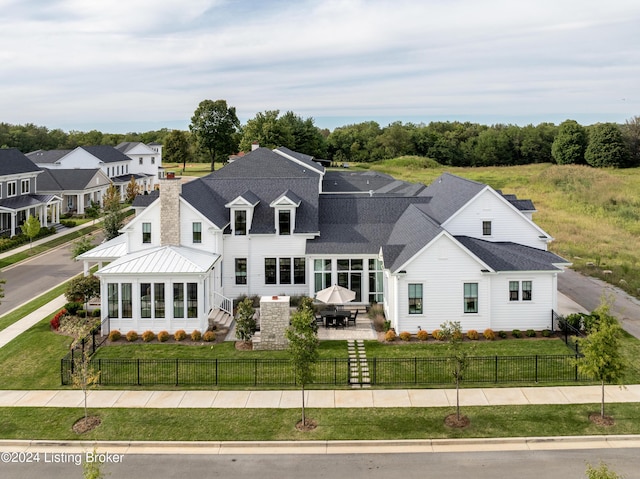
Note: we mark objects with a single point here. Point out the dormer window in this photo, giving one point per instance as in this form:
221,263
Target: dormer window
240,222
284,222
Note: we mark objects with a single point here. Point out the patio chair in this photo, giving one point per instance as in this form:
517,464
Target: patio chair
352,319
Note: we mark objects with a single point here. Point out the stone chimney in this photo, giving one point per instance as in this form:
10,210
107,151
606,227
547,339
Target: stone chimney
170,190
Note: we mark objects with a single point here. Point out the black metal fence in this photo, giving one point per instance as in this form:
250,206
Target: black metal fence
327,372
90,344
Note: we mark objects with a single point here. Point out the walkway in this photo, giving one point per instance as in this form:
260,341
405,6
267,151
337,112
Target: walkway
347,398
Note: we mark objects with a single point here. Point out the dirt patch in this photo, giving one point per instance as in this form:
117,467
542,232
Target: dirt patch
309,425
244,345
599,420
86,424
453,421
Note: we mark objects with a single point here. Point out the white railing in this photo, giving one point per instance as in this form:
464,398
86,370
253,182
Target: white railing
223,303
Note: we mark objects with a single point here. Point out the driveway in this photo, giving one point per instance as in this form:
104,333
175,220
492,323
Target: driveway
588,291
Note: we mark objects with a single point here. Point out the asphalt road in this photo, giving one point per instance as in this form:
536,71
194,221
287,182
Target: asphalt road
550,464
29,279
588,292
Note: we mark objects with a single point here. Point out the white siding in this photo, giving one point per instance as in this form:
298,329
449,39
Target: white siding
442,269
507,224
151,215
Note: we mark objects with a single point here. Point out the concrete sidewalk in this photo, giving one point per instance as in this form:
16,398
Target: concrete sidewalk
347,398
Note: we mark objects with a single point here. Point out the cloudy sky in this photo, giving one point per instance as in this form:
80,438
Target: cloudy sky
138,65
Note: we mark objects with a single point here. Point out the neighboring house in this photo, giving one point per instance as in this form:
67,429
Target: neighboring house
19,195
146,160
77,188
116,165
275,222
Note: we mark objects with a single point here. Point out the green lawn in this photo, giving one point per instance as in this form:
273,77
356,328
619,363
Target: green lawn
333,424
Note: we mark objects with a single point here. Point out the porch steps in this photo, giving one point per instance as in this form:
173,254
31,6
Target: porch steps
221,319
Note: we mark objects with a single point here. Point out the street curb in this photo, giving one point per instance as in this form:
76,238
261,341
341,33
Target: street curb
329,447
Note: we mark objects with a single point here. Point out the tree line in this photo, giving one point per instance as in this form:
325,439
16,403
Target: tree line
215,133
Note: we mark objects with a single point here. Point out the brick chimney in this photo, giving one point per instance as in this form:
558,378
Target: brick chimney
170,190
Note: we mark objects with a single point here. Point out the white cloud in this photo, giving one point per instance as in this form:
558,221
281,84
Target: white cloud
78,62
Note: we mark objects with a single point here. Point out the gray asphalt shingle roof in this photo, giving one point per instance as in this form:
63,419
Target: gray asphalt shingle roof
506,256
449,193
13,162
47,156
66,179
106,153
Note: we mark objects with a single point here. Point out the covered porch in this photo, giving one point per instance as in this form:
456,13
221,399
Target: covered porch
15,211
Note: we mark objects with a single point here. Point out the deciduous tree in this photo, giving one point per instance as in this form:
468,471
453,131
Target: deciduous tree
30,228
213,126
245,320
176,148
114,218
606,147
570,143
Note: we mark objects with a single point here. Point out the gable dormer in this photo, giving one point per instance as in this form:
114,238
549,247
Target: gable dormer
241,209
285,207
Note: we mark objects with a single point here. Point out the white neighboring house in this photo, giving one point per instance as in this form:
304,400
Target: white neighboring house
276,223
78,188
116,165
146,160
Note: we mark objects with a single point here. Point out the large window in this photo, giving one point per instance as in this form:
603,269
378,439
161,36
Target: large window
126,298
178,300
299,271
350,275
515,290
285,270
112,300
146,232
470,297
240,222
375,281
284,222
145,300
158,300
415,298
241,270
270,271
192,300
279,270
196,232
321,274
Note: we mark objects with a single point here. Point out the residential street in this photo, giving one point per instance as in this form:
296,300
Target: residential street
33,277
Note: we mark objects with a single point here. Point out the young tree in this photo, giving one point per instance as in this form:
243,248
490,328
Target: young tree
245,320
83,287
176,148
93,211
303,349
114,218
81,245
458,356
84,376
602,358
132,190
30,228
213,126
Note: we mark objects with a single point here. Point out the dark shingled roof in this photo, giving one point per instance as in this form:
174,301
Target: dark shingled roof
449,193
14,162
106,153
506,256
47,156
308,160
367,181
66,179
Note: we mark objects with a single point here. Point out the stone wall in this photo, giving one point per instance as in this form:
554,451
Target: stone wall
170,190
274,320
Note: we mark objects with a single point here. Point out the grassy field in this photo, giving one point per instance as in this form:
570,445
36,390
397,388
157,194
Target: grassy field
333,424
593,214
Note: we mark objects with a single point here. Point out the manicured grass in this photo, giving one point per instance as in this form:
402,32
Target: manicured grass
193,169
333,424
19,313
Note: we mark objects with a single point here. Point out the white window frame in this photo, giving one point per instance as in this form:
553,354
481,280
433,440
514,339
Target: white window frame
25,187
11,189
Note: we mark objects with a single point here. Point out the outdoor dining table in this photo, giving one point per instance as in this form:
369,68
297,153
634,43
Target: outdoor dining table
335,318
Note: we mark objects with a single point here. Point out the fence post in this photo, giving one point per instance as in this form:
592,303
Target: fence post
496,370
177,380
335,371
138,371
255,372
100,369
216,371
375,370
576,367
415,370
536,368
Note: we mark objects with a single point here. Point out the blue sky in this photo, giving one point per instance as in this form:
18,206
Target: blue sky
145,64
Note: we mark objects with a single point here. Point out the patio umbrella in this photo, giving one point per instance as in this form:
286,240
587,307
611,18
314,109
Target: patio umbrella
335,295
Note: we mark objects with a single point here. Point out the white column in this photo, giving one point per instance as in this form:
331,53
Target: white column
13,223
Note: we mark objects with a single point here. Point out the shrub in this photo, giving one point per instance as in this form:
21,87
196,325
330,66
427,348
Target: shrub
405,336
72,307
516,333
115,335
386,323
81,313
422,335
473,335
163,336
457,335
179,335
390,335
438,334
148,336
546,333
96,313
489,335
502,334
132,336
209,336
531,333
196,335
55,323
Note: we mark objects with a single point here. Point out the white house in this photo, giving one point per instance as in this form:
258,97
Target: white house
275,222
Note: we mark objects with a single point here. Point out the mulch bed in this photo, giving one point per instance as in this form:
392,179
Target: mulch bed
309,425
597,419
86,424
452,421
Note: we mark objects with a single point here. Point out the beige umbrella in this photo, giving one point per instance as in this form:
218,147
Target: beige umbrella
335,295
